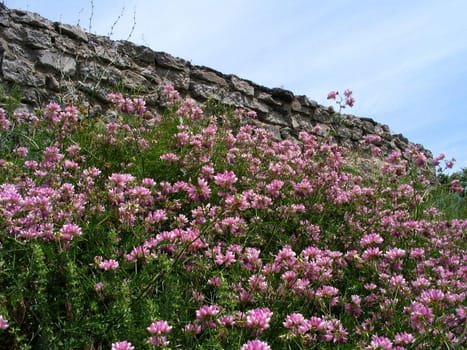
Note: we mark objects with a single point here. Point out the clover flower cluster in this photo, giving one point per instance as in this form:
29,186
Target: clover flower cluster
128,105
220,233
3,323
158,331
344,101
122,345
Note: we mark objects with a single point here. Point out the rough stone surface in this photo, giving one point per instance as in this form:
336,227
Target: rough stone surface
201,91
165,60
36,39
282,94
73,32
269,99
142,55
208,75
235,98
61,63
179,78
242,86
50,60
21,73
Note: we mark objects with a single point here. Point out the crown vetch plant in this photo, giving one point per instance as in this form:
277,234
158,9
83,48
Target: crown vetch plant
342,101
186,230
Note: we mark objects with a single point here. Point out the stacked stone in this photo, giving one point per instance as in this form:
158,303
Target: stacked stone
56,61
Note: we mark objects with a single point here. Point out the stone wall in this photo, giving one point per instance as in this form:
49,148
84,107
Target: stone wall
56,61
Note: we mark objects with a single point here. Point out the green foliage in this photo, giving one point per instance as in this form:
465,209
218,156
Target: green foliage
10,97
215,107
453,205
108,224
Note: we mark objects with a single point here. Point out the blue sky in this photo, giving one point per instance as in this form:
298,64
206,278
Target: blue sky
406,61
